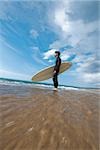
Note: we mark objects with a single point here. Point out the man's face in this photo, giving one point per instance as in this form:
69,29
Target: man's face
56,55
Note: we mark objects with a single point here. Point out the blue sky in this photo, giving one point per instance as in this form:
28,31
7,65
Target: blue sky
30,32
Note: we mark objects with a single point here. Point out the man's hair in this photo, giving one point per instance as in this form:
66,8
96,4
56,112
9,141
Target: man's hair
57,52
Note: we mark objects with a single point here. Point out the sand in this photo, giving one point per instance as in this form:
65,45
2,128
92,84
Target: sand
41,119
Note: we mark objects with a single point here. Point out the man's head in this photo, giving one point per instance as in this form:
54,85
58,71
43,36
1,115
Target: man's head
57,53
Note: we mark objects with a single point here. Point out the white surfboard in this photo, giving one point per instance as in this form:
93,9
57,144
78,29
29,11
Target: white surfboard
47,73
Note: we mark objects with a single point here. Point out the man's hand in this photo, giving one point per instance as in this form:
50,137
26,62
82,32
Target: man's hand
54,72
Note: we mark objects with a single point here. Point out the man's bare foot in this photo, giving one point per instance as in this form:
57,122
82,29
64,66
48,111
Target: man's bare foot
55,89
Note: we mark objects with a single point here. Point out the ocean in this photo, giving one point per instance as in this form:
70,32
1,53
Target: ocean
16,82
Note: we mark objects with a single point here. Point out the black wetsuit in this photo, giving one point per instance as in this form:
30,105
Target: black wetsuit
56,68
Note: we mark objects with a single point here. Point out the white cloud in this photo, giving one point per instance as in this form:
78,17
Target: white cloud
58,43
91,77
36,49
50,61
36,55
49,53
34,33
61,20
75,31
88,70
82,59
11,74
65,55
70,31
88,64
9,46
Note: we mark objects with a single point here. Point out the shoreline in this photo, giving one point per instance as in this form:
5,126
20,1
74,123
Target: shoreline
7,81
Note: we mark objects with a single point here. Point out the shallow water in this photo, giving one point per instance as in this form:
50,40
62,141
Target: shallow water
41,119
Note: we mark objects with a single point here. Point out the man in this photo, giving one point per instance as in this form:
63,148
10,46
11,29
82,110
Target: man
56,69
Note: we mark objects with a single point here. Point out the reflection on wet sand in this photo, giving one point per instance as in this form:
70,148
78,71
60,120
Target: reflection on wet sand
40,119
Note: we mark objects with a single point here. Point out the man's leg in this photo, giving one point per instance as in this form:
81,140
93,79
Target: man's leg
55,80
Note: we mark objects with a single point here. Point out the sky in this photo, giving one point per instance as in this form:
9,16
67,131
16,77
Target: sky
31,31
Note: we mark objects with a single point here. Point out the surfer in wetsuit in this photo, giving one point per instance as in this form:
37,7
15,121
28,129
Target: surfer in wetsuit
56,69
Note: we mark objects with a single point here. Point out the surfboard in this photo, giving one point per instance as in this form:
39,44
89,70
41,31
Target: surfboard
47,73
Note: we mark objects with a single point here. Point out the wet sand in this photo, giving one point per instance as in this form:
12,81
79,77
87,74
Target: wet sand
40,119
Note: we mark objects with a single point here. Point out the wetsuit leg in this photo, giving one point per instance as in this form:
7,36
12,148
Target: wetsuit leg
55,80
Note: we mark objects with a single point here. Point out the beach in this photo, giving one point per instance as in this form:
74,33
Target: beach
33,118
